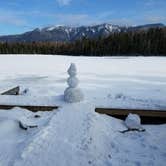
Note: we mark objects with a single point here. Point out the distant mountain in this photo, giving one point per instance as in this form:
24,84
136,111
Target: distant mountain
65,33
147,26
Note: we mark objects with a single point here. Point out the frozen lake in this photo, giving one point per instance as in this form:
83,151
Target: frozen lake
137,82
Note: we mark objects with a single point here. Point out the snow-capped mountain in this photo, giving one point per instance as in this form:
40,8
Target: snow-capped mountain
66,33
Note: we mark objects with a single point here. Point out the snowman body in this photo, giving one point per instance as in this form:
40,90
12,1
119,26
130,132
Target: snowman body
73,94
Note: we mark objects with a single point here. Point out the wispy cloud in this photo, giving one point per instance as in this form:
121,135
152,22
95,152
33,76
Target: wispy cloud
20,18
150,3
155,4
70,18
64,2
11,18
155,19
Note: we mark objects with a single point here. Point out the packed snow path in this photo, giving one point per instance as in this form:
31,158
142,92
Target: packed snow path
72,137
76,135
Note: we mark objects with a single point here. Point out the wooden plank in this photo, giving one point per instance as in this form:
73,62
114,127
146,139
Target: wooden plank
13,91
125,112
31,108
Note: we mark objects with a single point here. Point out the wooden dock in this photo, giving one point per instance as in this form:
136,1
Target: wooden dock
13,91
147,116
31,108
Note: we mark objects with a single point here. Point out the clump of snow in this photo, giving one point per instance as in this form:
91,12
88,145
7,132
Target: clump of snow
133,121
24,91
120,96
73,94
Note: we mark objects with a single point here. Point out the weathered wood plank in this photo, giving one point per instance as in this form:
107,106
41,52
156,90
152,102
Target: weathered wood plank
125,112
31,108
13,91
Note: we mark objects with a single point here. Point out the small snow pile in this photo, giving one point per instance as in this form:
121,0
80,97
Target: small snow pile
133,121
73,94
25,91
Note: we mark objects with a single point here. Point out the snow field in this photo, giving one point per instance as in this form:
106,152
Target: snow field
74,134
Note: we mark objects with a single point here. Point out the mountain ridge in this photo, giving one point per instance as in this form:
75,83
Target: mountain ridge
62,33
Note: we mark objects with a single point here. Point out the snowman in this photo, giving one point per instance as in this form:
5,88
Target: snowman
73,94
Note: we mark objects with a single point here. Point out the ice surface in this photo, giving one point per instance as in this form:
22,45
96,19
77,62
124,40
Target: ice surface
140,82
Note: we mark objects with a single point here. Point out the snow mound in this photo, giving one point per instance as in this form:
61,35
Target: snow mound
133,121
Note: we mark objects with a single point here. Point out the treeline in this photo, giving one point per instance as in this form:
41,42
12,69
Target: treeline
147,42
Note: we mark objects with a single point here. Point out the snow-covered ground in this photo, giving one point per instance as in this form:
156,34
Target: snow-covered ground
74,134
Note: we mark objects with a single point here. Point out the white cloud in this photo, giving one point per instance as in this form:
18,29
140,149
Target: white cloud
64,2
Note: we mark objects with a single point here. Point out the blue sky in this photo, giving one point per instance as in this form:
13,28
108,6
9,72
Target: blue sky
17,16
